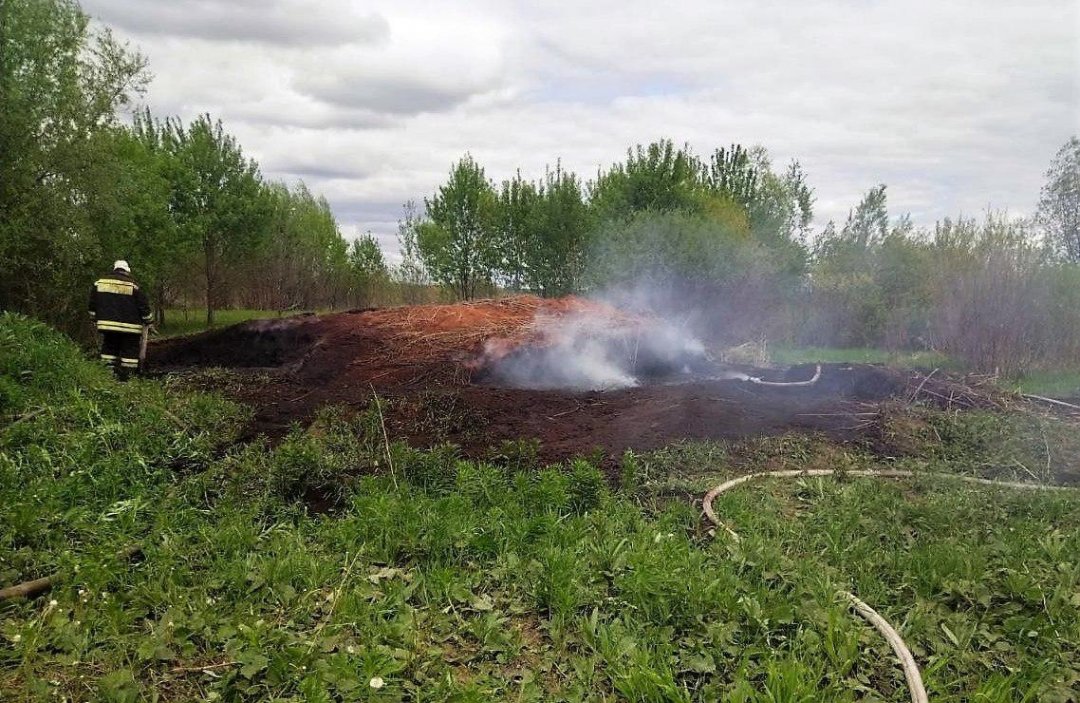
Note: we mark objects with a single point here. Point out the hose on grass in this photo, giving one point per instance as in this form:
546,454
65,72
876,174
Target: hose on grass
903,653
788,384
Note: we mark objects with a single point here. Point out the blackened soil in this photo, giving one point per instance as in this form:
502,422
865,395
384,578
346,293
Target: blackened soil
288,369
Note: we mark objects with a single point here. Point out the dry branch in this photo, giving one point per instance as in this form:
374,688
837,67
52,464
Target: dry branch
34,588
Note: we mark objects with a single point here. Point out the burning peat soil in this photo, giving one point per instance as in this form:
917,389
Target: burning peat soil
576,375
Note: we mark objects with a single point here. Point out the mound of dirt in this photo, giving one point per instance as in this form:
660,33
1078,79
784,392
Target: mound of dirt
390,347
432,363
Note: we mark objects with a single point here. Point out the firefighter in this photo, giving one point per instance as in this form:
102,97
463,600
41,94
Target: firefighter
121,313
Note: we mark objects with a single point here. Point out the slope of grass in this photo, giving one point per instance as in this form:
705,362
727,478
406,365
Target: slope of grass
432,578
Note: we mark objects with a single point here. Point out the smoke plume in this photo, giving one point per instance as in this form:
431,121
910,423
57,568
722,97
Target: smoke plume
594,351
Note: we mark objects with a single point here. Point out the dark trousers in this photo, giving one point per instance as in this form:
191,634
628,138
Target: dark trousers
120,351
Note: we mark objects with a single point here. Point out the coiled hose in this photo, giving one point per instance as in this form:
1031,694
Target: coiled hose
903,653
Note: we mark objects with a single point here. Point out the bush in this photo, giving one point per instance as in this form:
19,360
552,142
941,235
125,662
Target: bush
629,472
483,484
433,470
587,488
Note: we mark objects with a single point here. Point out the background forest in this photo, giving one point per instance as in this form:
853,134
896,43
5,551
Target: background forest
86,177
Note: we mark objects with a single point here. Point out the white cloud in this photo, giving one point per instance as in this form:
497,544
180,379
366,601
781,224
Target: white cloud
283,22
956,106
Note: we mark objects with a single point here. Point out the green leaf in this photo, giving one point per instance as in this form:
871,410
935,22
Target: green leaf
253,663
950,635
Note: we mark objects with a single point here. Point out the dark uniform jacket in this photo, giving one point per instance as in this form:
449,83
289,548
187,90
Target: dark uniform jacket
117,304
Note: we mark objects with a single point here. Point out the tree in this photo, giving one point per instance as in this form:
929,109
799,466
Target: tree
778,207
132,219
410,273
300,259
732,172
556,254
217,197
60,84
659,177
868,223
1059,206
367,268
515,221
458,243
850,308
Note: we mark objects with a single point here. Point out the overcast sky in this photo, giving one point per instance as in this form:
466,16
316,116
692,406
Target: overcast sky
957,106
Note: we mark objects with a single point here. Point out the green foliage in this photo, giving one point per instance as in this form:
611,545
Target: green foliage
518,456
556,255
1059,206
459,242
182,203
556,237
659,177
433,470
667,248
133,219
451,580
61,84
181,322
516,229
984,293
587,486
82,457
217,197
792,356
368,272
868,223
629,472
299,260
779,206
1054,383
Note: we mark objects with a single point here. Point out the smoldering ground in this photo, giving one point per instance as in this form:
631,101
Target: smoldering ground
591,351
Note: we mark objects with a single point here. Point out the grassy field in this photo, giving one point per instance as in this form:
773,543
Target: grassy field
336,568
1059,384
861,355
179,322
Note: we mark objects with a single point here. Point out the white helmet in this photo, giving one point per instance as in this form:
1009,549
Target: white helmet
121,265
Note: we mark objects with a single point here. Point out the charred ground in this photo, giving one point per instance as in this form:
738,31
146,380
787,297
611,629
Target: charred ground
429,366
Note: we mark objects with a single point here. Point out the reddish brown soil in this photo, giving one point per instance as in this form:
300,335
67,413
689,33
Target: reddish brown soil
423,359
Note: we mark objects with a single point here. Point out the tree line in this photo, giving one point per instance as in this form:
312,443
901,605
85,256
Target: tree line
80,186
560,235
728,236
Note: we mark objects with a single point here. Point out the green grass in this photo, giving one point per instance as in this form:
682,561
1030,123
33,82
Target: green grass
1058,384
449,580
788,356
183,321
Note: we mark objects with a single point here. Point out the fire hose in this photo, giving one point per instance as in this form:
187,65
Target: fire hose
903,653
812,381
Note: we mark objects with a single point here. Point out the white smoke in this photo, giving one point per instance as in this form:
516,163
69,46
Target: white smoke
594,351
